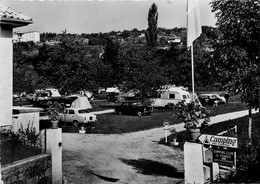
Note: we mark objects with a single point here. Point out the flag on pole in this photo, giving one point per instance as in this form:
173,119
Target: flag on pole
193,21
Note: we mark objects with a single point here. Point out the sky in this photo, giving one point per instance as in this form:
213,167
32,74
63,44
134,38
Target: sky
94,16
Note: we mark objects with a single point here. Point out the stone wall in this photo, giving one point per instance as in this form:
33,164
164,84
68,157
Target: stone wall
34,170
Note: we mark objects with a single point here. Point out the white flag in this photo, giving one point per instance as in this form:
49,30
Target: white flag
193,21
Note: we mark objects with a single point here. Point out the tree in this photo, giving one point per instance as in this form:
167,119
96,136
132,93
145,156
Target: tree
69,65
25,79
114,65
151,32
238,50
125,34
142,71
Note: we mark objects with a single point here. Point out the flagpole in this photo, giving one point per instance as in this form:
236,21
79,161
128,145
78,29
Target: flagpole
192,72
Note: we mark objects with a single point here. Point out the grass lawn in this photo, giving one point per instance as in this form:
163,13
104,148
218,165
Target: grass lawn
115,124
111,123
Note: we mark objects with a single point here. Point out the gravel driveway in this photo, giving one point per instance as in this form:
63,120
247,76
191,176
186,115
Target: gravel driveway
127,158
131,158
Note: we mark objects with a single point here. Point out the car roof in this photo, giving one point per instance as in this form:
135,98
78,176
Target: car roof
76,108
211,94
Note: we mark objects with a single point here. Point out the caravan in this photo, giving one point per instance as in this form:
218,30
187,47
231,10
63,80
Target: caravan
171,95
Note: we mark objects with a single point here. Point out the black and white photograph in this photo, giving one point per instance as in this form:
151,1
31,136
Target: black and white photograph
129,91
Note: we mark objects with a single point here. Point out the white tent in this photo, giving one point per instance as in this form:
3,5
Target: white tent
110,90
80,101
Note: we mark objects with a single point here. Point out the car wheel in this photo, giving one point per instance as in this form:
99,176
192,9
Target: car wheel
120,113
76,123
139,113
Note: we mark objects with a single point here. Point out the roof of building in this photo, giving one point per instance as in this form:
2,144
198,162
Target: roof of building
14,18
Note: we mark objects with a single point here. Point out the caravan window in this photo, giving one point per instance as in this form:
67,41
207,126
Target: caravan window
172,96
71,111
184,97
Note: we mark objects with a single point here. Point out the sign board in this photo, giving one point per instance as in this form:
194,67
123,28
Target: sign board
224,157
216,140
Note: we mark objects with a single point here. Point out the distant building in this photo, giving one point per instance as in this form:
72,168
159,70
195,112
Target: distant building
174,39
142,35
33,36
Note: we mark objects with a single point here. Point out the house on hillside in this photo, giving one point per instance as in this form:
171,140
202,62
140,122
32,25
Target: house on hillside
33,36
174,39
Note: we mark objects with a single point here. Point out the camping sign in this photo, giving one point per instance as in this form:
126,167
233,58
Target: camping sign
216,140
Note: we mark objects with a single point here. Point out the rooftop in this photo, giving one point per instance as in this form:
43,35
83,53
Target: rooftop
11,17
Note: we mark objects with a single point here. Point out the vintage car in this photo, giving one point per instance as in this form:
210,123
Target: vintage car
78,116
134,108
211,99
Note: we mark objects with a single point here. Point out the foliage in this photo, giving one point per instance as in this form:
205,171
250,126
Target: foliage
19,145
72,64
177,66
151,32
53,112
68,66
28,136
25,78
191,114
113,64
238,50
141,71
48,36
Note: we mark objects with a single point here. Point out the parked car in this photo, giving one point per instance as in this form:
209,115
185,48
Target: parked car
44,97
115,97
102,95
134,108
211,99
78,116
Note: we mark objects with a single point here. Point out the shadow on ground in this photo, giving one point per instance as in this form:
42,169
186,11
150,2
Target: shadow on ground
105,178
150,167
86,172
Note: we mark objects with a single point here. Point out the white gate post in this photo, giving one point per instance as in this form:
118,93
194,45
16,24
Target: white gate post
54,147
193,163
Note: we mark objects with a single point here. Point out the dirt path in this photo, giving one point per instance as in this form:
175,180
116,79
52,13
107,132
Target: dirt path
132,158
128,158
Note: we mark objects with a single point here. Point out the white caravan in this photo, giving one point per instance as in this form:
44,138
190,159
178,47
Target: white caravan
171,95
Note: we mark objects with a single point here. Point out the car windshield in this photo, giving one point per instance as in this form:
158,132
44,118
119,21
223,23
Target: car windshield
82,111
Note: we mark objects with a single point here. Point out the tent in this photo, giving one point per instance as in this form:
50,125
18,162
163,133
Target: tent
112,89
79,101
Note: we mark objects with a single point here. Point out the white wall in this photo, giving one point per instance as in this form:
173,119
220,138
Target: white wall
6,78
